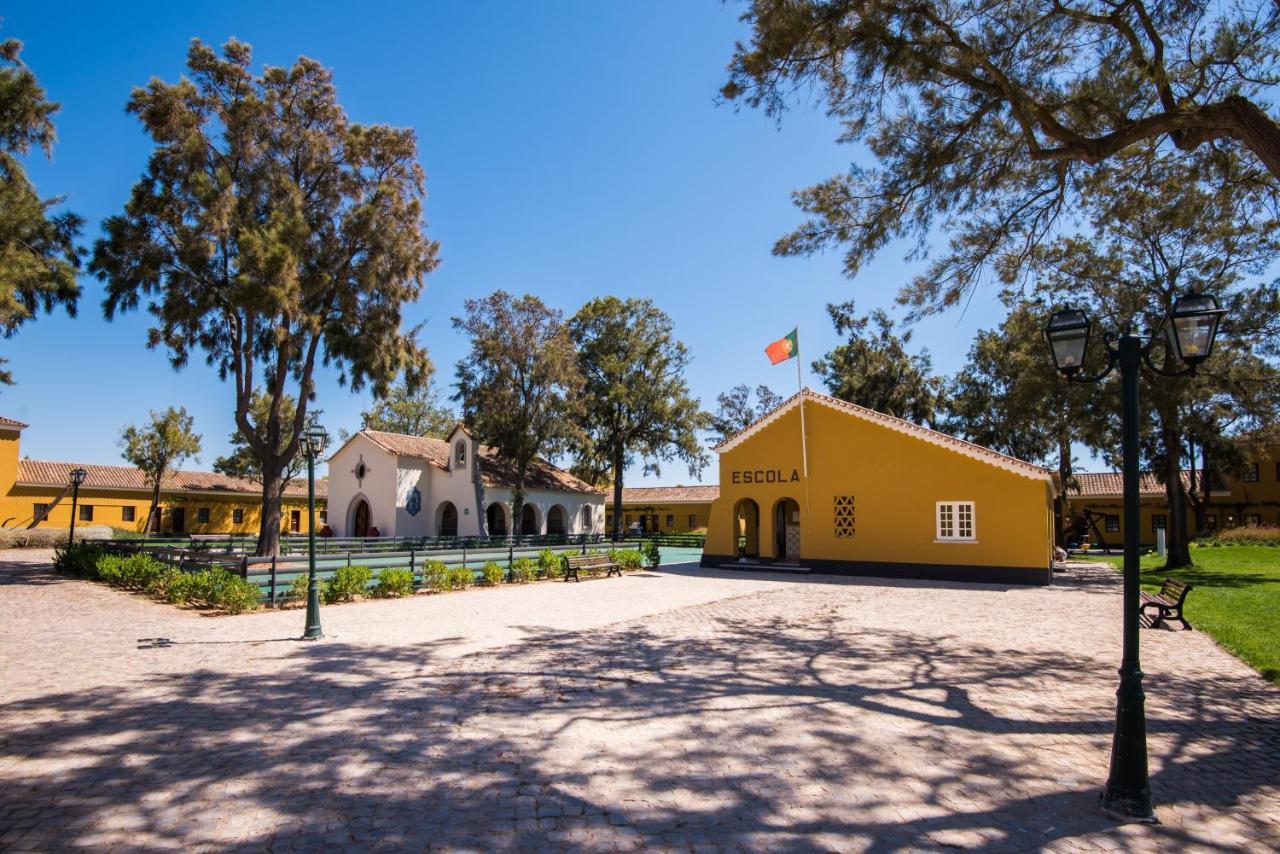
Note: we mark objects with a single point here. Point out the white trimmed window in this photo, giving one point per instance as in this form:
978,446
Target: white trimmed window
956,521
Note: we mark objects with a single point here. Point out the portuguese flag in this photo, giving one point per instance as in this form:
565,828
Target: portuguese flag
786,347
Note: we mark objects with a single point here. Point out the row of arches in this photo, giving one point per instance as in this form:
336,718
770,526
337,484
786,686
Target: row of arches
784,527
497,516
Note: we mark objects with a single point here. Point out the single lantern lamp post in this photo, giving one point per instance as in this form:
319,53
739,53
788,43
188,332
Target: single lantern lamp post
1189,332
314,441
77,478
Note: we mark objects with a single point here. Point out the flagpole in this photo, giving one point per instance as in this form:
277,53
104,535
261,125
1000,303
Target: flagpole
804,450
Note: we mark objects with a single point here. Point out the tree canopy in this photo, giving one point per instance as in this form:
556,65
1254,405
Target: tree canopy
243,462
38,253
735,412
274,235
159,447
520,386
636,401
982,118
873,368
415,411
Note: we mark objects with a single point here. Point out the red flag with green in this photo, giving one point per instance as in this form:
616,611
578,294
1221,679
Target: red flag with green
786,347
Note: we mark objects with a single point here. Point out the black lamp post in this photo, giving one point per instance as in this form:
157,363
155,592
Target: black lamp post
314,441
77,477
1189,330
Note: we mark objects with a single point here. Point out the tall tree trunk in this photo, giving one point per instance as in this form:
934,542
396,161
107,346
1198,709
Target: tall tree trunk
1064,476
615,534
1177,546
153,519
269,522
517,505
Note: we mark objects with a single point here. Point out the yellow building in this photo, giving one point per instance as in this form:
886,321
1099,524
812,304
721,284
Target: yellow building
192,502
1247,498
665,509
884,497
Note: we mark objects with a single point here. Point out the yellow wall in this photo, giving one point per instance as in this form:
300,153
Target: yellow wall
680,513
17,504
1232,509
896,480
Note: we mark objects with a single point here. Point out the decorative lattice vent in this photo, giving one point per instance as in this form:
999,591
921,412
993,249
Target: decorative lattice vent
844,516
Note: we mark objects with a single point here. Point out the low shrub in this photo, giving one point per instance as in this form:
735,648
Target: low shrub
524,570
298,589
652,555
80,559
550,564
393,583
181,588
142,572
217,587
347,583
628,559
234,594
436,576
1253,535
492,574
461,578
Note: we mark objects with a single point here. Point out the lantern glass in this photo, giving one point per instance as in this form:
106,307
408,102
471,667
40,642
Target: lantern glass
78,476
1194,321
316,439
1068,334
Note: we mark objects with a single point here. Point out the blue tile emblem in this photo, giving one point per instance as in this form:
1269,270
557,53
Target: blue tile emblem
413,504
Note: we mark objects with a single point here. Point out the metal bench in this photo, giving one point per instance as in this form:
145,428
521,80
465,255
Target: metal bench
573,564
1167,603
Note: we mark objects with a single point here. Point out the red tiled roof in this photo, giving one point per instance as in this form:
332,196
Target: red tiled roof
1112,483
670,494
900,425
496,471
55,474
11,422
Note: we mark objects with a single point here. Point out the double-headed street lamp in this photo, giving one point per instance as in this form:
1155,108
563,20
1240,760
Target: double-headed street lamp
77,478
1189,333
314,441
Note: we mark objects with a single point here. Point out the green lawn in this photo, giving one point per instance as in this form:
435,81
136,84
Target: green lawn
1236,599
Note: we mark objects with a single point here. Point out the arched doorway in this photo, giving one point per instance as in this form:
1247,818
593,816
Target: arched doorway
446,520
746,524
786,531
528,520
555,521
358,517
496,517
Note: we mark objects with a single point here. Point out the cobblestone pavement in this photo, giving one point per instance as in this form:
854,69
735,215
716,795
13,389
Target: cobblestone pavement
685,709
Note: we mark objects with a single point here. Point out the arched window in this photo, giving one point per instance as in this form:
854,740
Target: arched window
460,454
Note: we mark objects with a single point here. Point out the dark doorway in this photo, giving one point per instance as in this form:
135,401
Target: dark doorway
786,531
178,520
528,521
555,521
746,525
295,521
360,519
447,525
497,520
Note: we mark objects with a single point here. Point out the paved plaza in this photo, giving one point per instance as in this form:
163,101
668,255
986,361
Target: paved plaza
683,709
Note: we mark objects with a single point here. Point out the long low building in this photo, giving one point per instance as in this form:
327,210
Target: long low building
392,484
38,492
665,509
882,497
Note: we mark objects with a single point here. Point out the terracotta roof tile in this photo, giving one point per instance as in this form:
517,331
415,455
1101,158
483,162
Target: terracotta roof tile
56,474
496,471
12,422
1089,484
670,494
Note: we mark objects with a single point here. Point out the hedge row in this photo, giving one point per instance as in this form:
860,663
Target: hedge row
215,588
1253,535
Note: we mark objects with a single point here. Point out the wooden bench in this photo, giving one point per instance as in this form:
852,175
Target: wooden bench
573,564
1167,603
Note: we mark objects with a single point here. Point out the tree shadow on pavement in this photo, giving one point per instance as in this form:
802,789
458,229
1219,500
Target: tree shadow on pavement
728,730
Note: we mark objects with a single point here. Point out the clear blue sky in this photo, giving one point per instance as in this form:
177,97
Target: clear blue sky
571,148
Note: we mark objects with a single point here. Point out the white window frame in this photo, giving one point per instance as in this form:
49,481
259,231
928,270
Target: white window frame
948,529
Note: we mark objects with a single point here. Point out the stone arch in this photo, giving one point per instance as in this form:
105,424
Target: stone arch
446,519
746,528
557,521
496,519
359,516
530,524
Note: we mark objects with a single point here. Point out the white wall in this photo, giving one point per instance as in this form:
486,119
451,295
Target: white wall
572,502
378,488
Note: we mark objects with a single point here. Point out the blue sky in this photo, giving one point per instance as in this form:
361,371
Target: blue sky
571,148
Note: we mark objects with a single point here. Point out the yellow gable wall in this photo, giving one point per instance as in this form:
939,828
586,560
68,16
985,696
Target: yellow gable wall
896,480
